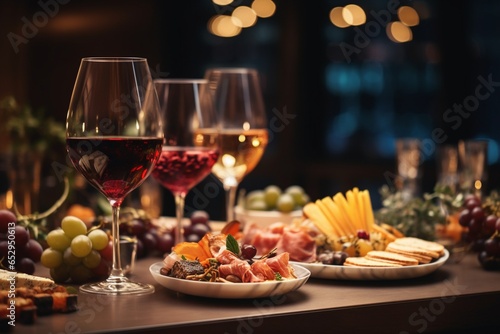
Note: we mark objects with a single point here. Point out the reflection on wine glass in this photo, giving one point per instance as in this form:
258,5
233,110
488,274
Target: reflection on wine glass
242,120
114,137
473,159
191,144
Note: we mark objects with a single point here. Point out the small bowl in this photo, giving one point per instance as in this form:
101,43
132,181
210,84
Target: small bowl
265,218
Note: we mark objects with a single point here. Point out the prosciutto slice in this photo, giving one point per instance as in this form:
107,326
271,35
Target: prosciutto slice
298,241
279,264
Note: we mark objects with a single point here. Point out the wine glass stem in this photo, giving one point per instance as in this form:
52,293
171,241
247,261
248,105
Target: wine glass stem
116,270
230,198
179,212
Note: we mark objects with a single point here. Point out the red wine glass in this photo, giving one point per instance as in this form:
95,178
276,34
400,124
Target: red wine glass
114,138
191,145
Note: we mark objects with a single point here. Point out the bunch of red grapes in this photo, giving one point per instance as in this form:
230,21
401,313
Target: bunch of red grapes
482,231
152,240
18,251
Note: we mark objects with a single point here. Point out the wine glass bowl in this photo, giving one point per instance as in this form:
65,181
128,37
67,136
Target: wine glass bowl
114,137
239,105
191,143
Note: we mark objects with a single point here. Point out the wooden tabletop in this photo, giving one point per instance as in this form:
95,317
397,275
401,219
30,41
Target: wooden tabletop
456,298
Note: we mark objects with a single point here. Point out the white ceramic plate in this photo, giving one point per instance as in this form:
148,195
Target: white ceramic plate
363,273
231,290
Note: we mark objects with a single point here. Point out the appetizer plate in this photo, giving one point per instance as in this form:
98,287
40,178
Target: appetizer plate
231,290
319,270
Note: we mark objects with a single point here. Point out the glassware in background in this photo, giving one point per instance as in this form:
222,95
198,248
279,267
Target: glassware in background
408,166
447,166
114,137
473,159
191,144
239,105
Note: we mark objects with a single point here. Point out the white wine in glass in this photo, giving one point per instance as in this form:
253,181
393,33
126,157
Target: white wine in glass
239,105
114,137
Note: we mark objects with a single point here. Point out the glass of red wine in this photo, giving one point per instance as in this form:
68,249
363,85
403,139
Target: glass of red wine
114,137
191,145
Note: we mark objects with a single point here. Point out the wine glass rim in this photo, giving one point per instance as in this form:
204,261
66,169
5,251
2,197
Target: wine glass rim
241,70
114,59
182,81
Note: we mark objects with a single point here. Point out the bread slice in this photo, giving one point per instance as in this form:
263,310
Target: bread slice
392,257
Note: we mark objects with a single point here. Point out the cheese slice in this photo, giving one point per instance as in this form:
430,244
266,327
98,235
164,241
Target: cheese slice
23,280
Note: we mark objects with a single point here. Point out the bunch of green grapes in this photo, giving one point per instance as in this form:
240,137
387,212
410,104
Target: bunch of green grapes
75,254
274,198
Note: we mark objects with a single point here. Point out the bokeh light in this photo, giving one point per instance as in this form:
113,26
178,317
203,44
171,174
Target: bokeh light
223,26
244,17
408,16
398,32
354,15
337,18
264,8
222,2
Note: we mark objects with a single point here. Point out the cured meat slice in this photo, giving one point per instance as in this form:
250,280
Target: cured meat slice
300,245
262,270
279,264
240,269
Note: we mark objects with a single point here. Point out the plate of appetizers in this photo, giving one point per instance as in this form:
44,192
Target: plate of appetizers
344,272
231,290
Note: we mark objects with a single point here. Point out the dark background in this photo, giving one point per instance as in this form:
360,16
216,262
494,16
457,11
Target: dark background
343,116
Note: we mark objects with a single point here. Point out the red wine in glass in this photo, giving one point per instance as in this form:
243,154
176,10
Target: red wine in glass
114,165
181,168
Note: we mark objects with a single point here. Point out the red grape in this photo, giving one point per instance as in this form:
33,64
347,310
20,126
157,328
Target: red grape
6,217
199,217
472,202
488,262
492,247
465,217
26,265
22,235
362,234
200,230
475,226
33,250
136,227
248,251
192,238
107,252
165,243
489,225
477,214
149,241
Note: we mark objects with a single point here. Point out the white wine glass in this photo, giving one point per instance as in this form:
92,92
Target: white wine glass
191,145
114,137
239,105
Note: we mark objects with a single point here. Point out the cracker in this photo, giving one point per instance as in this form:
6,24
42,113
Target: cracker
392,257
420,243
364,262
393,246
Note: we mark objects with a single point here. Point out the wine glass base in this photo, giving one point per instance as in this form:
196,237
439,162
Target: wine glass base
115,288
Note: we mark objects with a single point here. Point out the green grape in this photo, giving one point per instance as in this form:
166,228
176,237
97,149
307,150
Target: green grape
58,240
92,260
303,200
70,259
60,274
81,246
51,258
271,195
296,192
99,239
80,274
285,203
257,205
73,226
256,195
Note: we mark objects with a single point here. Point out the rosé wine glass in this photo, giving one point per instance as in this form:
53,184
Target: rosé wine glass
114,137
191,144
239,106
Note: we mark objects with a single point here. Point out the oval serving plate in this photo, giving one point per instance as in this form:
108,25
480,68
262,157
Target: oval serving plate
231,290
319,270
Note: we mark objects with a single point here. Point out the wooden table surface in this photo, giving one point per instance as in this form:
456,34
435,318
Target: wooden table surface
456,298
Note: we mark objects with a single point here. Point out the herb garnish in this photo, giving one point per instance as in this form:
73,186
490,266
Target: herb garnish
232,245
